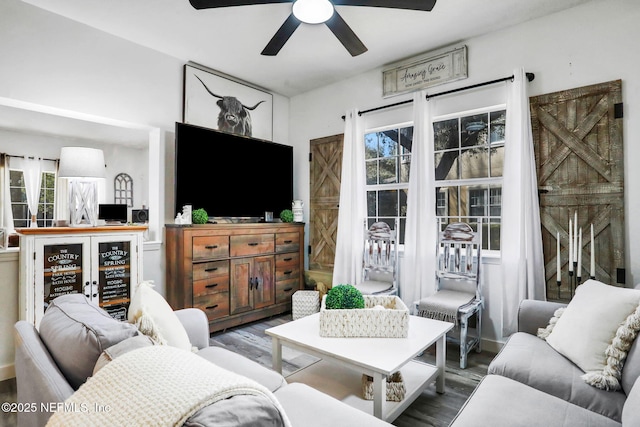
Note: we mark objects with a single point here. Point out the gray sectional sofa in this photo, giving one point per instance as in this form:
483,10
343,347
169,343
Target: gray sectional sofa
52,363
529,384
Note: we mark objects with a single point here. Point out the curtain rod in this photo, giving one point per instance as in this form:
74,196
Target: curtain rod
28,157
530,77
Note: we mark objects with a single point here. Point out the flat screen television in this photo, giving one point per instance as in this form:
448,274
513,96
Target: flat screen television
112,212
231,176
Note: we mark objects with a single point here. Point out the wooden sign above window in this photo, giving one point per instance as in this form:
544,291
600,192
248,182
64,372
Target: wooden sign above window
425,71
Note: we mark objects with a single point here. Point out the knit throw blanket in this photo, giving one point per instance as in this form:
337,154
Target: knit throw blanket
444,305
153,386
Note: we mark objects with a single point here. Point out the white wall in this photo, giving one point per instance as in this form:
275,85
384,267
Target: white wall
590,44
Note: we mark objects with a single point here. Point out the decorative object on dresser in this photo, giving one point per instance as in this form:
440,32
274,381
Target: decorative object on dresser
83,166
235,273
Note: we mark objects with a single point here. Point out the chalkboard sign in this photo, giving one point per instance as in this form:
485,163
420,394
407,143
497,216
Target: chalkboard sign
114,266
62,270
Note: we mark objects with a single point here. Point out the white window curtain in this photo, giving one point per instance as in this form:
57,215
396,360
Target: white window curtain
521,236
418,277
7,214
32,172
353,204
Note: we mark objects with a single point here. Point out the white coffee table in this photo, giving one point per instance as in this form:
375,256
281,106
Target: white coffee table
344,360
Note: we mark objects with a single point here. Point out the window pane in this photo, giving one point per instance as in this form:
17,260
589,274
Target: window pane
445,134
371,146
497,160
474,130
388,203
446,164
406,140
371,203
497,119
388,143
474,163
405,166
388,171
18,195
372,172
16,179
404,194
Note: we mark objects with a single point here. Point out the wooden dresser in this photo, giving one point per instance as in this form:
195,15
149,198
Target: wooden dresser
235,273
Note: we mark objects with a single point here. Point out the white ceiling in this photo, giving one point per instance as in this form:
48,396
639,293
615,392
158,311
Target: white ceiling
230,39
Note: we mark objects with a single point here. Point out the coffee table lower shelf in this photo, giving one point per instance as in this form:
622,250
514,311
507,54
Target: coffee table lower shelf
345,384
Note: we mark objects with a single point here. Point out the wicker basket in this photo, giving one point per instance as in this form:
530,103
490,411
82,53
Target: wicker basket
395,387
393,322
304,303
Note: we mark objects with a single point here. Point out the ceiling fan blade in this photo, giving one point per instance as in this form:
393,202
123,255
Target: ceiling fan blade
424,5
208,4
281,36
345,34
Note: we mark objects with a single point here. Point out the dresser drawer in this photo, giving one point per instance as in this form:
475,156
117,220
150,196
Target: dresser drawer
287,242
210,247
251,244
286,288
287,266
208,270
210,286
215,306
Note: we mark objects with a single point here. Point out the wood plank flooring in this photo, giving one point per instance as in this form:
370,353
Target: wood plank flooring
429,410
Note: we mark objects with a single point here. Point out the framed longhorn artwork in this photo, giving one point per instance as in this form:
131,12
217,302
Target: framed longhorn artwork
216,101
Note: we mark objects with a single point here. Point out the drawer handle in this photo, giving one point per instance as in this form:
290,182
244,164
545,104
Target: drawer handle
210,269
288,289
251,283
288,241
288,272
211,307
213,285
211,247
252,244
287,259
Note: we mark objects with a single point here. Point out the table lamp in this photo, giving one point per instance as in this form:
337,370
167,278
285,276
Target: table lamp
83,166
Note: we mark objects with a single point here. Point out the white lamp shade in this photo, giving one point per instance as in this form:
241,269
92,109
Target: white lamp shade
313,11
81,162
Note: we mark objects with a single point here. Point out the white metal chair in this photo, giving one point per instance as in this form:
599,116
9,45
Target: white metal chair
458,282
380,260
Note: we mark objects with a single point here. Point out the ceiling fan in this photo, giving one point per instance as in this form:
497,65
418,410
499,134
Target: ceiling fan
318,12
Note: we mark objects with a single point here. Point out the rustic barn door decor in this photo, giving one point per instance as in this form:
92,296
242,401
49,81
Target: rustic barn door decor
325,170
577,138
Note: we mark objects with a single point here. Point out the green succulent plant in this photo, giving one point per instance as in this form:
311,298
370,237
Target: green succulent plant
199,216
344,297
286,215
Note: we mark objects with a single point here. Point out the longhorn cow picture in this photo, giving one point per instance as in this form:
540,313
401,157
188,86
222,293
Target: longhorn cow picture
216,102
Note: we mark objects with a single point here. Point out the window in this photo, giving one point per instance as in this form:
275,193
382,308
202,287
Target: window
387,161
469,157
19,207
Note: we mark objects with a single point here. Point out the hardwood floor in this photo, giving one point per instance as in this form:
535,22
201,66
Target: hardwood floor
429,410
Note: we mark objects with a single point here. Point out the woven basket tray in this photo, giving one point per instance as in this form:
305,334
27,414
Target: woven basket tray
367,322
395,387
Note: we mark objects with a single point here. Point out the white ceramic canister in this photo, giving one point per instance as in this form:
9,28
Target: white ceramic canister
296,208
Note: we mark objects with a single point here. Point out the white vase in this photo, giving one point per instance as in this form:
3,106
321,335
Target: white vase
296,208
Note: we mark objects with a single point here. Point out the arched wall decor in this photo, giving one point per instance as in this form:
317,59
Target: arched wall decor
123,189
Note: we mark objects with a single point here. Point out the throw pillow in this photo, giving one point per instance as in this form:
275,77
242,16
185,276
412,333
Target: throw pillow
154,317
76,332
121,348
594,330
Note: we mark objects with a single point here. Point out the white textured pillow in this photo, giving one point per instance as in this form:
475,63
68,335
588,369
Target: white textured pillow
154,317
590,322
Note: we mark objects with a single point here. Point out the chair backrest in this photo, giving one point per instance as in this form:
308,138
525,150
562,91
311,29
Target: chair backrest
380,258
459,258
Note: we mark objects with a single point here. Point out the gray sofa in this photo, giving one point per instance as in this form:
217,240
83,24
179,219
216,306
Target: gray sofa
529,384
40,379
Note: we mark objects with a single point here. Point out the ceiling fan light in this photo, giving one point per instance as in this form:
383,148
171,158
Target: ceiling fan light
313,11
